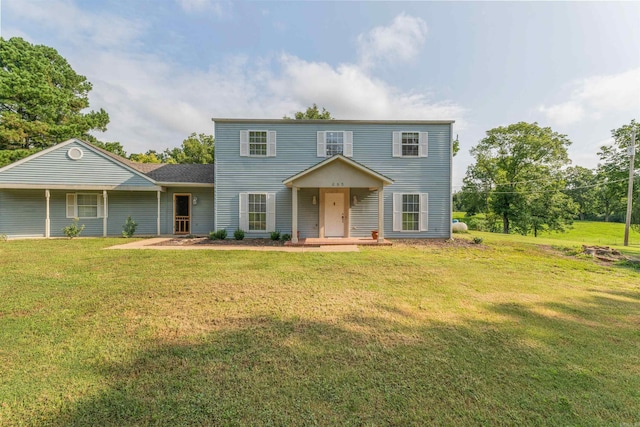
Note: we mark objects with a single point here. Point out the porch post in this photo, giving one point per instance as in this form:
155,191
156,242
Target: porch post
47,221
381,214
158,217
294,214
105,214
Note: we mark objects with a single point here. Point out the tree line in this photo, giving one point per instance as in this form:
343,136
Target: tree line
522,180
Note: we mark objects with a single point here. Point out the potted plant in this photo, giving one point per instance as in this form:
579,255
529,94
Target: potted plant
374,234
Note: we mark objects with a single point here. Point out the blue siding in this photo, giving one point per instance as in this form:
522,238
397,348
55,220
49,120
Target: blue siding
201,213
56,168
296,151
22,213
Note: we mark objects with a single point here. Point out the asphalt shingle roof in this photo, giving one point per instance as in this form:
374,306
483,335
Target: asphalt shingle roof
162,172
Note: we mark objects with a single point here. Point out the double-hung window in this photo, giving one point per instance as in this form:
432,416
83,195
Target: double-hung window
410,144
257,143
331,143
410,211
85,205
257,212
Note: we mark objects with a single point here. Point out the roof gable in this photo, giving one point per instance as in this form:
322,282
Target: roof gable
73,163
338,171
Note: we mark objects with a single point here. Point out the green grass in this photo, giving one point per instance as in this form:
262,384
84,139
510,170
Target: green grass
505,333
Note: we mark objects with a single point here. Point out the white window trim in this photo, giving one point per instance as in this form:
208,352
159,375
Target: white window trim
243,212
423,144
347,143
423,218
72,205
245,144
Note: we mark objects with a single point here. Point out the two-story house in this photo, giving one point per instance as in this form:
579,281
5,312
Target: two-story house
316,178
334,178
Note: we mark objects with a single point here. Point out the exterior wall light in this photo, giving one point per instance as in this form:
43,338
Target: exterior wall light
314,201
195,200
355,200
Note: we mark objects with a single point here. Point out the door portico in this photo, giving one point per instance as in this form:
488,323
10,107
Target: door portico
334,177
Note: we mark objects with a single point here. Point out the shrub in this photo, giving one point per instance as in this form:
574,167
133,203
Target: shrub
285,237
129,227
73,230
477,240
275,235
238,234
218,235
3,237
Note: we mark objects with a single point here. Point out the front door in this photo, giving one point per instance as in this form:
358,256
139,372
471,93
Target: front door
182,213
334,215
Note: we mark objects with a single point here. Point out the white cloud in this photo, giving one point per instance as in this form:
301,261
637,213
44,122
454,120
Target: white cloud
155,103
564,114
399,41
595,96
350,93
75,25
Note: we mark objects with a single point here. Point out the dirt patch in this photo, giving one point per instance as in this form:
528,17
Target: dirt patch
604,253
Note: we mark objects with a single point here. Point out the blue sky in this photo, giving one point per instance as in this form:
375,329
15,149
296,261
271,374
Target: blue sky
163,68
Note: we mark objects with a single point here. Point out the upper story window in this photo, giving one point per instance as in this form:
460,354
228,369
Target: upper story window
257,143
334,143
331,143
410,144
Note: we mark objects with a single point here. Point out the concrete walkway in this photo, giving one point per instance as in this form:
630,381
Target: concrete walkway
148,244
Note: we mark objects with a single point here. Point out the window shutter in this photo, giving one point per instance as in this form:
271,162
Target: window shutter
424,211
243,219
322,147
271,212
71,206
244,143
423,144
397,211
397,144
100,206
271,143
348,144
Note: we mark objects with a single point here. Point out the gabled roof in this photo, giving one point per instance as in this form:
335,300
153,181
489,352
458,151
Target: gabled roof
339,158
333,121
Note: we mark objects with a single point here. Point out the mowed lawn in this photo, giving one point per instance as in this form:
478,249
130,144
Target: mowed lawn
504,333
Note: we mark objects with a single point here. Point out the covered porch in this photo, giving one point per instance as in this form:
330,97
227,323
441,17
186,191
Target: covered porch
336,184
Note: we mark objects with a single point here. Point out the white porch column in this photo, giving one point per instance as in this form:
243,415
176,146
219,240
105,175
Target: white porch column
380,214
47,221
294,214
158,218
105,214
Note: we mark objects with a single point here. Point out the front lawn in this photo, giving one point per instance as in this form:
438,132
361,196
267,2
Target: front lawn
504,333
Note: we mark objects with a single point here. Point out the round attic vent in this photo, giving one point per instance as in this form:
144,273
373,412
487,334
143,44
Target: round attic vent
75,153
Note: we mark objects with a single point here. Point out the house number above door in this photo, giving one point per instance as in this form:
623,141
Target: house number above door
337,184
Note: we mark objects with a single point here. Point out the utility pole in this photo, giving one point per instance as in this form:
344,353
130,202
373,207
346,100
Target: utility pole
632,151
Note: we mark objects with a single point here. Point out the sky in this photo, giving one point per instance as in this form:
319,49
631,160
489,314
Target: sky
163,68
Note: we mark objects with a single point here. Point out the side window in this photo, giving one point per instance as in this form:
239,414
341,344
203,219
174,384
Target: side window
410,211
257,143
84,205
410,144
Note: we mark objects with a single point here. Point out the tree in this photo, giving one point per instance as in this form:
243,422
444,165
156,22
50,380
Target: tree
113,147
456,146
150,156
197,148
613,170
511,163
312,113
42,98
581,187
